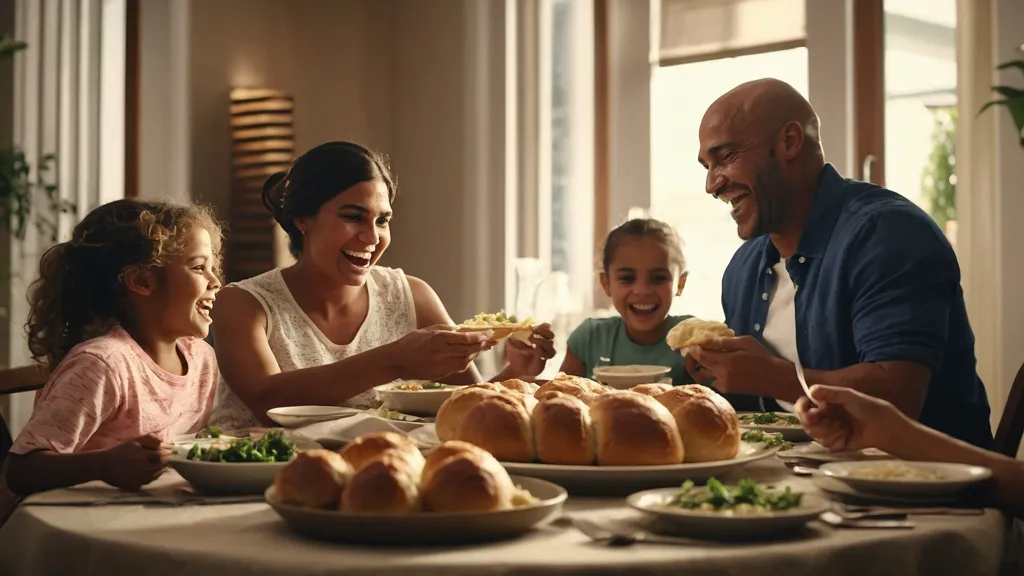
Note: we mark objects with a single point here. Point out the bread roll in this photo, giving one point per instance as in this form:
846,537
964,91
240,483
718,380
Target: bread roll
369,447
500,424
706,421
694,332
453,411
562,430
583,388
651,389
634,430
315,478
444,451
387,485
520,386
468,482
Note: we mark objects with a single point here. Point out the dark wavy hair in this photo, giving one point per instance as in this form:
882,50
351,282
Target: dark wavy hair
644,228
80,294
318,176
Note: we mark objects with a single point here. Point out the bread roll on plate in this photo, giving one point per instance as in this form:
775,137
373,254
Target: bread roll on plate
444,451
370,447
387,485
315,478
451,414
634,430
583,388
468,481
651,389
707,422
500,424
520,386
694,332
562,431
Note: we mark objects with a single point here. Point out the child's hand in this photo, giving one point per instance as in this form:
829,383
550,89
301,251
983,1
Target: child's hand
132,465
529,361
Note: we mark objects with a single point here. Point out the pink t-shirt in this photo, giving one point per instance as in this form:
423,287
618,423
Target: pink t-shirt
107,391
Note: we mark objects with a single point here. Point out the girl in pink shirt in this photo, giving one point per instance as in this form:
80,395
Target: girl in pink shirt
120,312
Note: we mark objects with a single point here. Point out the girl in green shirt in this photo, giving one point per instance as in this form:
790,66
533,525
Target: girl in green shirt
642,270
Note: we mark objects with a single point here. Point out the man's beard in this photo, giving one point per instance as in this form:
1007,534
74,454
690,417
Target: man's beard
771,211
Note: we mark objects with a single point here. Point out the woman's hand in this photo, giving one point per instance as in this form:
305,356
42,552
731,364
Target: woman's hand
846,419
437,351
529,361
135,463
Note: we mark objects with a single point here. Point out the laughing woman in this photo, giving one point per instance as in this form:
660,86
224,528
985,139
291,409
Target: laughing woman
328,329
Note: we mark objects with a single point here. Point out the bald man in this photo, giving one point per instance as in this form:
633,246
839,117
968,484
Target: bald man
855,277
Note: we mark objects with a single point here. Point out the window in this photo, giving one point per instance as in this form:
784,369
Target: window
557,285
679,97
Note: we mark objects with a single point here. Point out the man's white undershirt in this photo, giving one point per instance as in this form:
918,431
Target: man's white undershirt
780,327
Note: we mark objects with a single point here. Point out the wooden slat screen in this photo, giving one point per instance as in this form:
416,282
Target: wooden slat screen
263,142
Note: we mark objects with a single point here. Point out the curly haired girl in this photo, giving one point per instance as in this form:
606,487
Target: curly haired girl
119,313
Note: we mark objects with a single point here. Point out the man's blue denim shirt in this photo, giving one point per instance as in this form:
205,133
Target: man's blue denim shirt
876,281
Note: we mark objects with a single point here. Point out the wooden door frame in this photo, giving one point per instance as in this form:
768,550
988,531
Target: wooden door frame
602,136
869,90
131,100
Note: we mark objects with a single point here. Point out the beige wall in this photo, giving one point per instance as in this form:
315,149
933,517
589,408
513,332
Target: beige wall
395,75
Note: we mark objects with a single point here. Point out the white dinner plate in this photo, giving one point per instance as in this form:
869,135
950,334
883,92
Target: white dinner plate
229,477
625,479
298,416
718,526
818,453
414,402
917,479
622,377
790,432
425,527
843,491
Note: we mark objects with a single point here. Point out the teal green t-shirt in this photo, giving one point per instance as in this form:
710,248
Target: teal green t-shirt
606,337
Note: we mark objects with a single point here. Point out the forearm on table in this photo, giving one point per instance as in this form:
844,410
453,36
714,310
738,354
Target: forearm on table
327,385
468,376
914,441
43,470
879,380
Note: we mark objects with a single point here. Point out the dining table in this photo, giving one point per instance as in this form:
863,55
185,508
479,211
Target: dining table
250,539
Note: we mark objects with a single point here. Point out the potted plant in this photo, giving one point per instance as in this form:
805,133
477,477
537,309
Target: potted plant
1013,99
20,190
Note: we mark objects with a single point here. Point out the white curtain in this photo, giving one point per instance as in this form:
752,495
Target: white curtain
978,200
58,82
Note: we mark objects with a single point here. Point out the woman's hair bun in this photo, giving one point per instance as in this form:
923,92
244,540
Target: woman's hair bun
273,197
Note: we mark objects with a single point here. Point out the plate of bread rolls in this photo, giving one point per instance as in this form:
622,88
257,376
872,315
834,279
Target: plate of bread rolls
381,489
591,438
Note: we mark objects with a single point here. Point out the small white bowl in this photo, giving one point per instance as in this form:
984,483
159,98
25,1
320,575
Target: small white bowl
413,402
623,377
945,479
297,416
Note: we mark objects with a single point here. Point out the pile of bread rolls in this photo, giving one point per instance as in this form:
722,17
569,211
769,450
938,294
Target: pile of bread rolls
576,421
386,473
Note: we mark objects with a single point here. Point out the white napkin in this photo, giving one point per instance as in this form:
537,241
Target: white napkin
335,433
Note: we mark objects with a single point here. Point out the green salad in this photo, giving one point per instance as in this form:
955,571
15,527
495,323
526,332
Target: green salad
769,439
746,498
210,432
768,418
271,447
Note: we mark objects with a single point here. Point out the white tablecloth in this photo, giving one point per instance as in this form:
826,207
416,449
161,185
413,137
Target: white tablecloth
250,540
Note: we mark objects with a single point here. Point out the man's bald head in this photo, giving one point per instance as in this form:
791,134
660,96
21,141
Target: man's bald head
763,107
760,143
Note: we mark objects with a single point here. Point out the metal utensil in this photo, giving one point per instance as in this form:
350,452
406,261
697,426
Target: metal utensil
803,379
838,521
850,510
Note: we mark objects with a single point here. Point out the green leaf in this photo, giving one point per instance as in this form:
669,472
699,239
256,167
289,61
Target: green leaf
1019,64
1009,91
